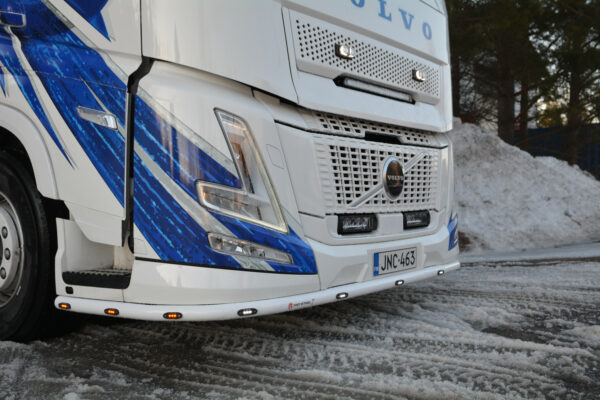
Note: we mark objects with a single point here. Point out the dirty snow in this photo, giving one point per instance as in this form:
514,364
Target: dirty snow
494,330
508,199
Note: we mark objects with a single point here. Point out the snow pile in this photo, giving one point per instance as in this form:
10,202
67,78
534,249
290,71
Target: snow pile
508,199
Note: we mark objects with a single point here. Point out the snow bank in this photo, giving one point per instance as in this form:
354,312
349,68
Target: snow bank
508,199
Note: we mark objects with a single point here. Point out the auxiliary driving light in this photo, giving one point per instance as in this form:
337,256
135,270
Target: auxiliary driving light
416,219
356,223
238,247
246,312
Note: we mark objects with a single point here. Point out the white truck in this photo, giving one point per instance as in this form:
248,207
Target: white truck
200,160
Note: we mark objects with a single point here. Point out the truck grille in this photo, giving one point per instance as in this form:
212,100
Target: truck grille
315,43
349,168
347,126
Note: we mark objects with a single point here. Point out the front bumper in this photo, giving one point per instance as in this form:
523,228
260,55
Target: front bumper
216,312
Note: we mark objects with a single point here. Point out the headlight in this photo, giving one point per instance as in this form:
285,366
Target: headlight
255,202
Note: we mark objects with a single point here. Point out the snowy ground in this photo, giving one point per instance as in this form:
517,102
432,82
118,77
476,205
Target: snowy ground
510,200
493,330
508,325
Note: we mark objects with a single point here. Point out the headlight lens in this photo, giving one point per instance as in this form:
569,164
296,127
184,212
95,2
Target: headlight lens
255,202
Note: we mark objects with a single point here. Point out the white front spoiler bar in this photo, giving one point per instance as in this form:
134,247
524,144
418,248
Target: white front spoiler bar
214,312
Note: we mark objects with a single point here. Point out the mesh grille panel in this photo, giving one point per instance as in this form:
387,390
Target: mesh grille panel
346,126
349,168
315,45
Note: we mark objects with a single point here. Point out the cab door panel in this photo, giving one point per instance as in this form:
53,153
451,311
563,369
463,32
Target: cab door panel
72,54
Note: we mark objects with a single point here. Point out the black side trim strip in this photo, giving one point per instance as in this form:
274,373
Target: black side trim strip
132,87
218,267
98,278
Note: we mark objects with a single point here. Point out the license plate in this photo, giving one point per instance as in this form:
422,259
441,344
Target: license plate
394,261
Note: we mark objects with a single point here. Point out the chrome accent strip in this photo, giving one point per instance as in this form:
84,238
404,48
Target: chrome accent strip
101,118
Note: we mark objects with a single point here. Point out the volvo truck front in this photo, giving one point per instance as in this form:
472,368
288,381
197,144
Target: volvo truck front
204,160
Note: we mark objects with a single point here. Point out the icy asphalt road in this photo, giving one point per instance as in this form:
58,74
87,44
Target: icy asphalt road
493,330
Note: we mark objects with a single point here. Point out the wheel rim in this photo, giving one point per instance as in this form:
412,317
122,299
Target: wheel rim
11,251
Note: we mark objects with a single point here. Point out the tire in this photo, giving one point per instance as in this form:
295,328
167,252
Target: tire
27,288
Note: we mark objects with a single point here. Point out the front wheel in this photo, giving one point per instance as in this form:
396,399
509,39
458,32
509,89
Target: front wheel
26,268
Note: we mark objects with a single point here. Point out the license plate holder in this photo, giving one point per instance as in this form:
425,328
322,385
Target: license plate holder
388,262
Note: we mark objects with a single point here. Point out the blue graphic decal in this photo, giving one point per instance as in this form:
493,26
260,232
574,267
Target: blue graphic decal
182,160
9,58
2,83
172,232
74,75
91,10
176,236
70,72
301,252
453,230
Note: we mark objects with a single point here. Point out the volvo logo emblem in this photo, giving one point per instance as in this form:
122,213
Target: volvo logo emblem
419,75
393,178
344,51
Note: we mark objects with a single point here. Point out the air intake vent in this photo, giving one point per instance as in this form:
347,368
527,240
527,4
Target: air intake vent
316,41
345,126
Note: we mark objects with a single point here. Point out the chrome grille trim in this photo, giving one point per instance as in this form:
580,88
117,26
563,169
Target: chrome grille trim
349,168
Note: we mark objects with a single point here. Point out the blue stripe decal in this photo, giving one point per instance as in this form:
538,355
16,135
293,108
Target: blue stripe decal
64,67
172,232
9,58
91,10
175,154
2,83
74,75
301,252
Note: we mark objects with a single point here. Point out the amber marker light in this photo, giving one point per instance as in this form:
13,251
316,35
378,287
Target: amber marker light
111,311
64,306
172,315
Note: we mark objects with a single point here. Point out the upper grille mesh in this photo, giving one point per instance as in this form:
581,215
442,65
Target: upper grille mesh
316,45
349,168
347,126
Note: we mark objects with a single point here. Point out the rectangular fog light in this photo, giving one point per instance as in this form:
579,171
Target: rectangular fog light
356,223
416,219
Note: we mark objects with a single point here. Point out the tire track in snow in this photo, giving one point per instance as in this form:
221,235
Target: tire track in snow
477,333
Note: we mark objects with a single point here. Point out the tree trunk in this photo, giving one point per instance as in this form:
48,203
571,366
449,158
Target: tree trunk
506,106
524,110
455,61
574,121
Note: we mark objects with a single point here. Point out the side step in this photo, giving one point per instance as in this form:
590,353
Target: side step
103,278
